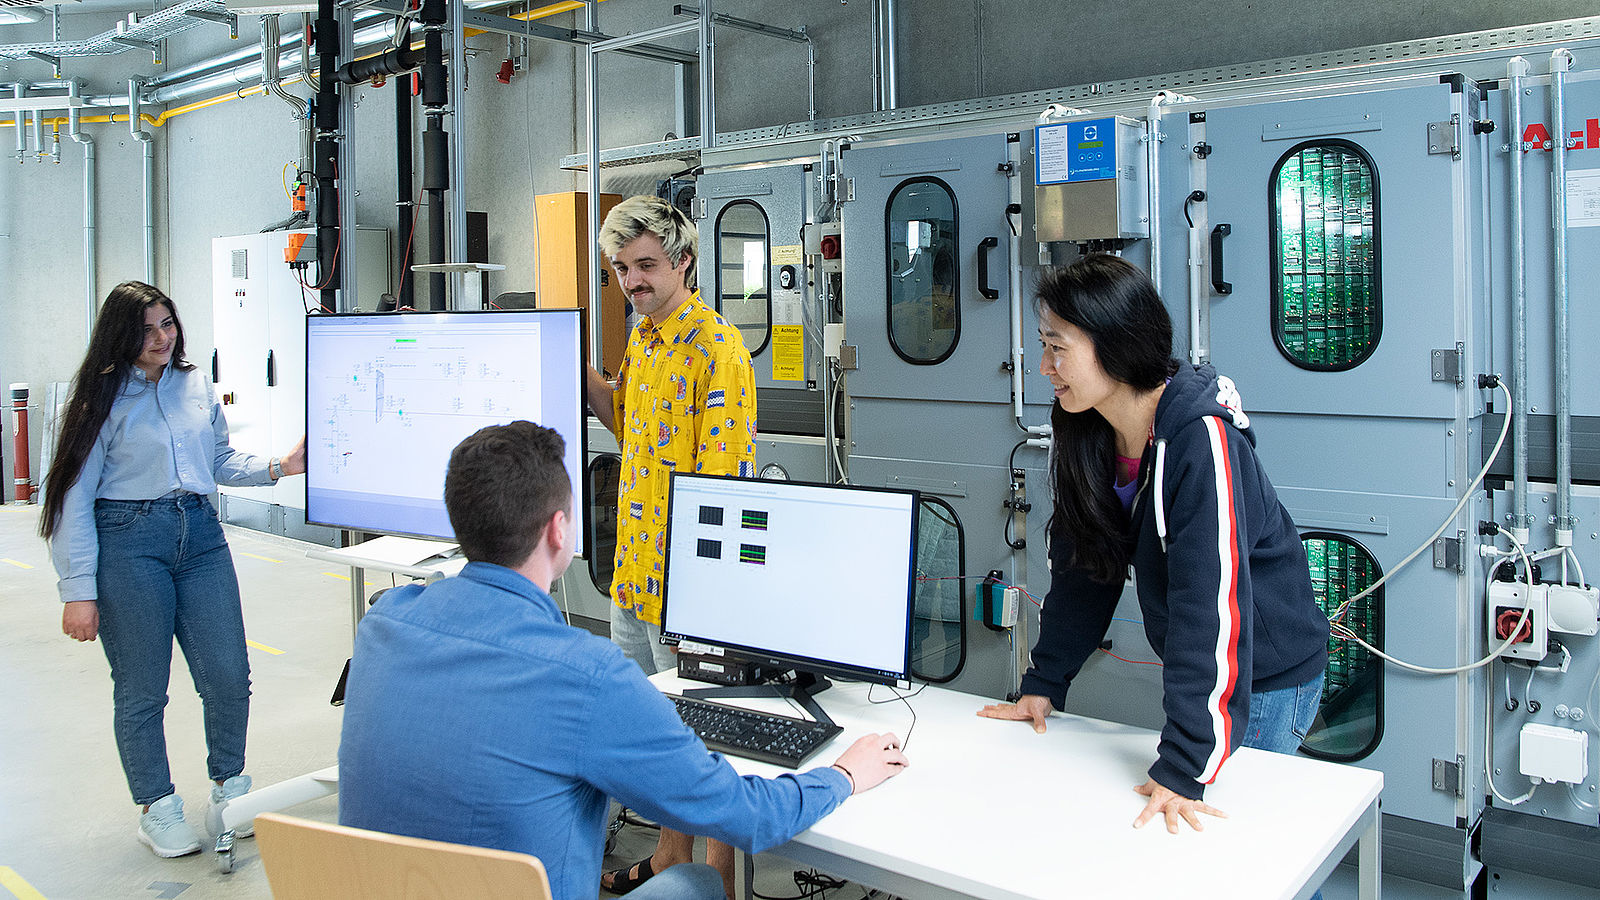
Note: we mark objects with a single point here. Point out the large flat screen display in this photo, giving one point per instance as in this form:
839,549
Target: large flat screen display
812,576
389,395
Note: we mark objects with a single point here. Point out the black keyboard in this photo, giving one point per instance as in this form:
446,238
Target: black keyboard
780,740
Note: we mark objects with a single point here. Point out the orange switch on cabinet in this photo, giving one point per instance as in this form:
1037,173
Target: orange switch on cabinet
291,253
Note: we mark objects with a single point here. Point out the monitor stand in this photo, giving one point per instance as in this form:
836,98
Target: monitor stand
801,690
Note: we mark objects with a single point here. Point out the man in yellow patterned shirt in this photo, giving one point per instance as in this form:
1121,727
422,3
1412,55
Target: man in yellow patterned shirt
685,399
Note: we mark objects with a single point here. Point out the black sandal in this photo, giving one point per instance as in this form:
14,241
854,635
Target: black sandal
624,880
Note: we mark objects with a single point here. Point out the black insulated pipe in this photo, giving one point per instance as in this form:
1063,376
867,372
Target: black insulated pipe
435,181
435,141
327,161
389,62
405,293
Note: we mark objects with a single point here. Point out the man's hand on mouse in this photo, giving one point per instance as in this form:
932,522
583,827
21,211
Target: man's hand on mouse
871,760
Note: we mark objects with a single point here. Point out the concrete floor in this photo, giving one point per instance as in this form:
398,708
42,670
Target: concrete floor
67,823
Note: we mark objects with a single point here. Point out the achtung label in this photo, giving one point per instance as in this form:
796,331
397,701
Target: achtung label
788,353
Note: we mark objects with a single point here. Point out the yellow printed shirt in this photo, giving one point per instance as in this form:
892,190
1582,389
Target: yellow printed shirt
685,400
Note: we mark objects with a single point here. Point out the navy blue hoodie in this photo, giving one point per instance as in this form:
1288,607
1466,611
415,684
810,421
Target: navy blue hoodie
1222,581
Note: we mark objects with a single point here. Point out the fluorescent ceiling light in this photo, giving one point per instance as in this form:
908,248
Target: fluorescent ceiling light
269,7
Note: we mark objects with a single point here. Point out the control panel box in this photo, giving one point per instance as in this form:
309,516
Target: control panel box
1507,600
1089,181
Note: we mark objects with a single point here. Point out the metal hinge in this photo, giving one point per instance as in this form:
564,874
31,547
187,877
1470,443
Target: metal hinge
849,190
697,208
1447,552
847,358
1450,777
1447,363
1445,137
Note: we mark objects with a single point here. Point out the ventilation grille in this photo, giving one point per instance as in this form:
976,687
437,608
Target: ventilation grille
241,259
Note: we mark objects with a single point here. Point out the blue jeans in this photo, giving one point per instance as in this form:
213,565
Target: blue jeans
1281,719
641,642
686,881
165,572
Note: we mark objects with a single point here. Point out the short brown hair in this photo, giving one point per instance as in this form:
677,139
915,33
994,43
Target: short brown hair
504,484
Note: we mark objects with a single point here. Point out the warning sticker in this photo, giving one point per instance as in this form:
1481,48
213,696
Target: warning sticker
788,255
788,353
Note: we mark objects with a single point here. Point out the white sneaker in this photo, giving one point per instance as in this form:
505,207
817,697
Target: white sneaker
234,787
165,831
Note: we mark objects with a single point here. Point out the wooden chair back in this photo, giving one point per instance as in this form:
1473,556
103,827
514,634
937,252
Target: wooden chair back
307,859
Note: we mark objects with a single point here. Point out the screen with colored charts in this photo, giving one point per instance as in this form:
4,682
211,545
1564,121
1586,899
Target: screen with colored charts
812,576
390,395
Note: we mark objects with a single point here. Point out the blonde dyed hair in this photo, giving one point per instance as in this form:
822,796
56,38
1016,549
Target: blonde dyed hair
637,215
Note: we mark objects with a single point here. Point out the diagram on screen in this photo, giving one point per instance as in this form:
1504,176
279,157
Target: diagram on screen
401,404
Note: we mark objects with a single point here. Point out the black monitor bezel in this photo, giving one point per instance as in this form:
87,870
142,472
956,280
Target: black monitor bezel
779,660
580,503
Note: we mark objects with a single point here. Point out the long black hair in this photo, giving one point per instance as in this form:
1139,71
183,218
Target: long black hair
117,341
1117,306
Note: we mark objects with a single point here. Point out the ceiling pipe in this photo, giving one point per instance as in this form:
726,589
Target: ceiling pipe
75,131
145,138
21,125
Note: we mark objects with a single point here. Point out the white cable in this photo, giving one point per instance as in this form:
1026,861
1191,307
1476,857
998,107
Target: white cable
1453,670
1488,758
1568,551
1465,496
830,409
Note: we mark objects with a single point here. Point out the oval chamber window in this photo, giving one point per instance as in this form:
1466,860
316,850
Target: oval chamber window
938,627
920,233
1327,305
744,264
1350,721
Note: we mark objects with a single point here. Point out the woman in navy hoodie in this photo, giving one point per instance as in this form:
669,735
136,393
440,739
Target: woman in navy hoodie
1154,467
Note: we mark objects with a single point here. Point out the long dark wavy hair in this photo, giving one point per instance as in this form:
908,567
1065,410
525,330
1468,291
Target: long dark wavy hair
117,341
1117,306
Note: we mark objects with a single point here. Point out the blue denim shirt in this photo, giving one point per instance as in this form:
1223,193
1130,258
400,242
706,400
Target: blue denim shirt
475,714
157,438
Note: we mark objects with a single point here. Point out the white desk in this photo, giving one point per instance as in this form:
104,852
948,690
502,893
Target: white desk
990,809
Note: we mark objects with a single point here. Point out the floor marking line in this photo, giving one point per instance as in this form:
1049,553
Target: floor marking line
263,647
15,883
258,556
20,565
347,578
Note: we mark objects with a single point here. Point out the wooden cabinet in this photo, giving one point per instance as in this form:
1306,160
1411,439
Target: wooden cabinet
562,253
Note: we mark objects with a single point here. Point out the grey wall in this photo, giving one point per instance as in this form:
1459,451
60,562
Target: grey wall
218,169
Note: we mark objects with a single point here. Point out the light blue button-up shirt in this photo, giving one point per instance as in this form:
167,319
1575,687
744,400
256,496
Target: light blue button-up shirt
158,438
475,714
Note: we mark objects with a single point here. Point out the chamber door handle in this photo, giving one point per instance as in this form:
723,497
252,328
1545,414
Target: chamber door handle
215,377
1217,283
272,370
984,246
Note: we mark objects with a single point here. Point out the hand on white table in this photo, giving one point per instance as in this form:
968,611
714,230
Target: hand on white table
1174,806
1028,708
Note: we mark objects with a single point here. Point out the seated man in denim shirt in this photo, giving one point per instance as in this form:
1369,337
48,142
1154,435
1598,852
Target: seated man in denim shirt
476,715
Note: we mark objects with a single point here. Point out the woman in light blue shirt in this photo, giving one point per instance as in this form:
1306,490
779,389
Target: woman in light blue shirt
140,552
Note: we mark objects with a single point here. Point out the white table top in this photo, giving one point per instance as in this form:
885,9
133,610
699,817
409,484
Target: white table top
990,809
416,557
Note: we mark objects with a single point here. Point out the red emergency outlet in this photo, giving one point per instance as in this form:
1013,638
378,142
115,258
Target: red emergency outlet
830,246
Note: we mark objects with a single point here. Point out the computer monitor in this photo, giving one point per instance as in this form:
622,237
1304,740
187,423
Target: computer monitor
814,577
390,395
